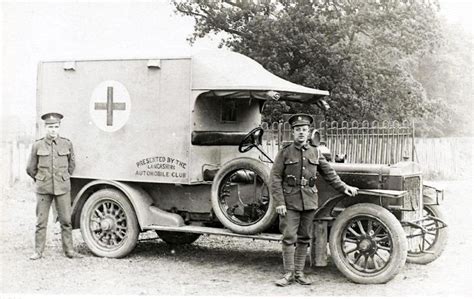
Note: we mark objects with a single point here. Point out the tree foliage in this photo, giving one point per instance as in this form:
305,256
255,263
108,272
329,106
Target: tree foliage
446,76
364,52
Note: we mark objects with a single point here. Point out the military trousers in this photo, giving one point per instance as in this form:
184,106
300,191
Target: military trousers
296,227
63,207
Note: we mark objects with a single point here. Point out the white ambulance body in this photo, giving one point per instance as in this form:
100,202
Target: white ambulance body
151,135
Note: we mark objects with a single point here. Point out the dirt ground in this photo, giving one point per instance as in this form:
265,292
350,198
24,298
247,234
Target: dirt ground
217,266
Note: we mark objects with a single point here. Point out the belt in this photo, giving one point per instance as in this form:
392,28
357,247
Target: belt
292,181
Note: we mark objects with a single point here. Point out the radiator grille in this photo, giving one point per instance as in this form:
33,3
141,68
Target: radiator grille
412,201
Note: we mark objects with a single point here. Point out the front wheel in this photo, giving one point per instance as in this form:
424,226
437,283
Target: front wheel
109,225
368,244
425,248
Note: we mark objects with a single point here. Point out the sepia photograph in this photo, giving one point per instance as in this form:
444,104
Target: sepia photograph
246,148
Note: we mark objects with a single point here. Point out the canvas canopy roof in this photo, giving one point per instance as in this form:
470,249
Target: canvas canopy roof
226,73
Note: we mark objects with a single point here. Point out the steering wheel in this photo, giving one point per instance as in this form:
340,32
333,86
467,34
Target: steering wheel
252,139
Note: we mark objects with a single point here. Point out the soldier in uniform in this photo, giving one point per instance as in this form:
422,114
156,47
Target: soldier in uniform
293,178
51,164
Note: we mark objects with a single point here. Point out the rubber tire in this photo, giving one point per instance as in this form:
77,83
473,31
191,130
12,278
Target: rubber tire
133,228
264,172
177,238
399,241
438,247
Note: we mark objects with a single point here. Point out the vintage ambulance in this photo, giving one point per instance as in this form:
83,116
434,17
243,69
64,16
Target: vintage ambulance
172,145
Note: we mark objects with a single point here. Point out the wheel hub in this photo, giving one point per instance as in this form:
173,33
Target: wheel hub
365,245
107,224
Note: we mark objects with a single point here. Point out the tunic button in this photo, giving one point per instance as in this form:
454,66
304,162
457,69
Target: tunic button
303,167
304,158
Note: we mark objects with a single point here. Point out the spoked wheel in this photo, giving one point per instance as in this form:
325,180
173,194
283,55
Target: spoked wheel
368,244
423,248
241,197
109,225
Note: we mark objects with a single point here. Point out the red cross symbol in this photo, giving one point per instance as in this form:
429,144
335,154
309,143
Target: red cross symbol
110,106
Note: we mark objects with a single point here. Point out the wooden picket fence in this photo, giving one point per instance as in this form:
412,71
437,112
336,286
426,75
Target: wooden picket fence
13,158
446,158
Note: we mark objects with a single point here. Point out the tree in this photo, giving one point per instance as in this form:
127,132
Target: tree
363,52
446,76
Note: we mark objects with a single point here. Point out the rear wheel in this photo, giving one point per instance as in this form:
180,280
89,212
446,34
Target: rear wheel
368,244
241,198
425,248
109,225
177,238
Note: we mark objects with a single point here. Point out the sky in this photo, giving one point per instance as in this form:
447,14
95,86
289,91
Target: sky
61,30
34,32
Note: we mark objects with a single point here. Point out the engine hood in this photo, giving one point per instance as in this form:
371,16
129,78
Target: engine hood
361,168
404,168
400,168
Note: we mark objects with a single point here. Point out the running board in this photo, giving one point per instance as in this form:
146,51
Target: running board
214,231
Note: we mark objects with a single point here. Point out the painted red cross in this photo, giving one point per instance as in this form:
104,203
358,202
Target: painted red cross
110,106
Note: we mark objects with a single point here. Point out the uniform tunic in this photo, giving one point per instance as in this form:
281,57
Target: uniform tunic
51,164
301,162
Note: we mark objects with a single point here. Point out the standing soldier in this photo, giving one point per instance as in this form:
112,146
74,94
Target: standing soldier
51,164
293,185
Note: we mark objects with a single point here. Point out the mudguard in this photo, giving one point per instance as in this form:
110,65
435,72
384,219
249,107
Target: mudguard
147,214
432,195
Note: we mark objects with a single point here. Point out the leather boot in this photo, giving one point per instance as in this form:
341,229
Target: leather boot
36,256
73,255
286,280
301,278
300,259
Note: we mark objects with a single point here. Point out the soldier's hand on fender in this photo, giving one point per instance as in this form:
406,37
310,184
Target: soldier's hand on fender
281,210
351,191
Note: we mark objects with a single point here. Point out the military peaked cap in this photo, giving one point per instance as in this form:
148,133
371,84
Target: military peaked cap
52,117
300,119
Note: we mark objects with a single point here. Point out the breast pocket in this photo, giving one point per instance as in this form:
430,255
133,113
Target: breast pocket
63,157
313,166
290,166
44,158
